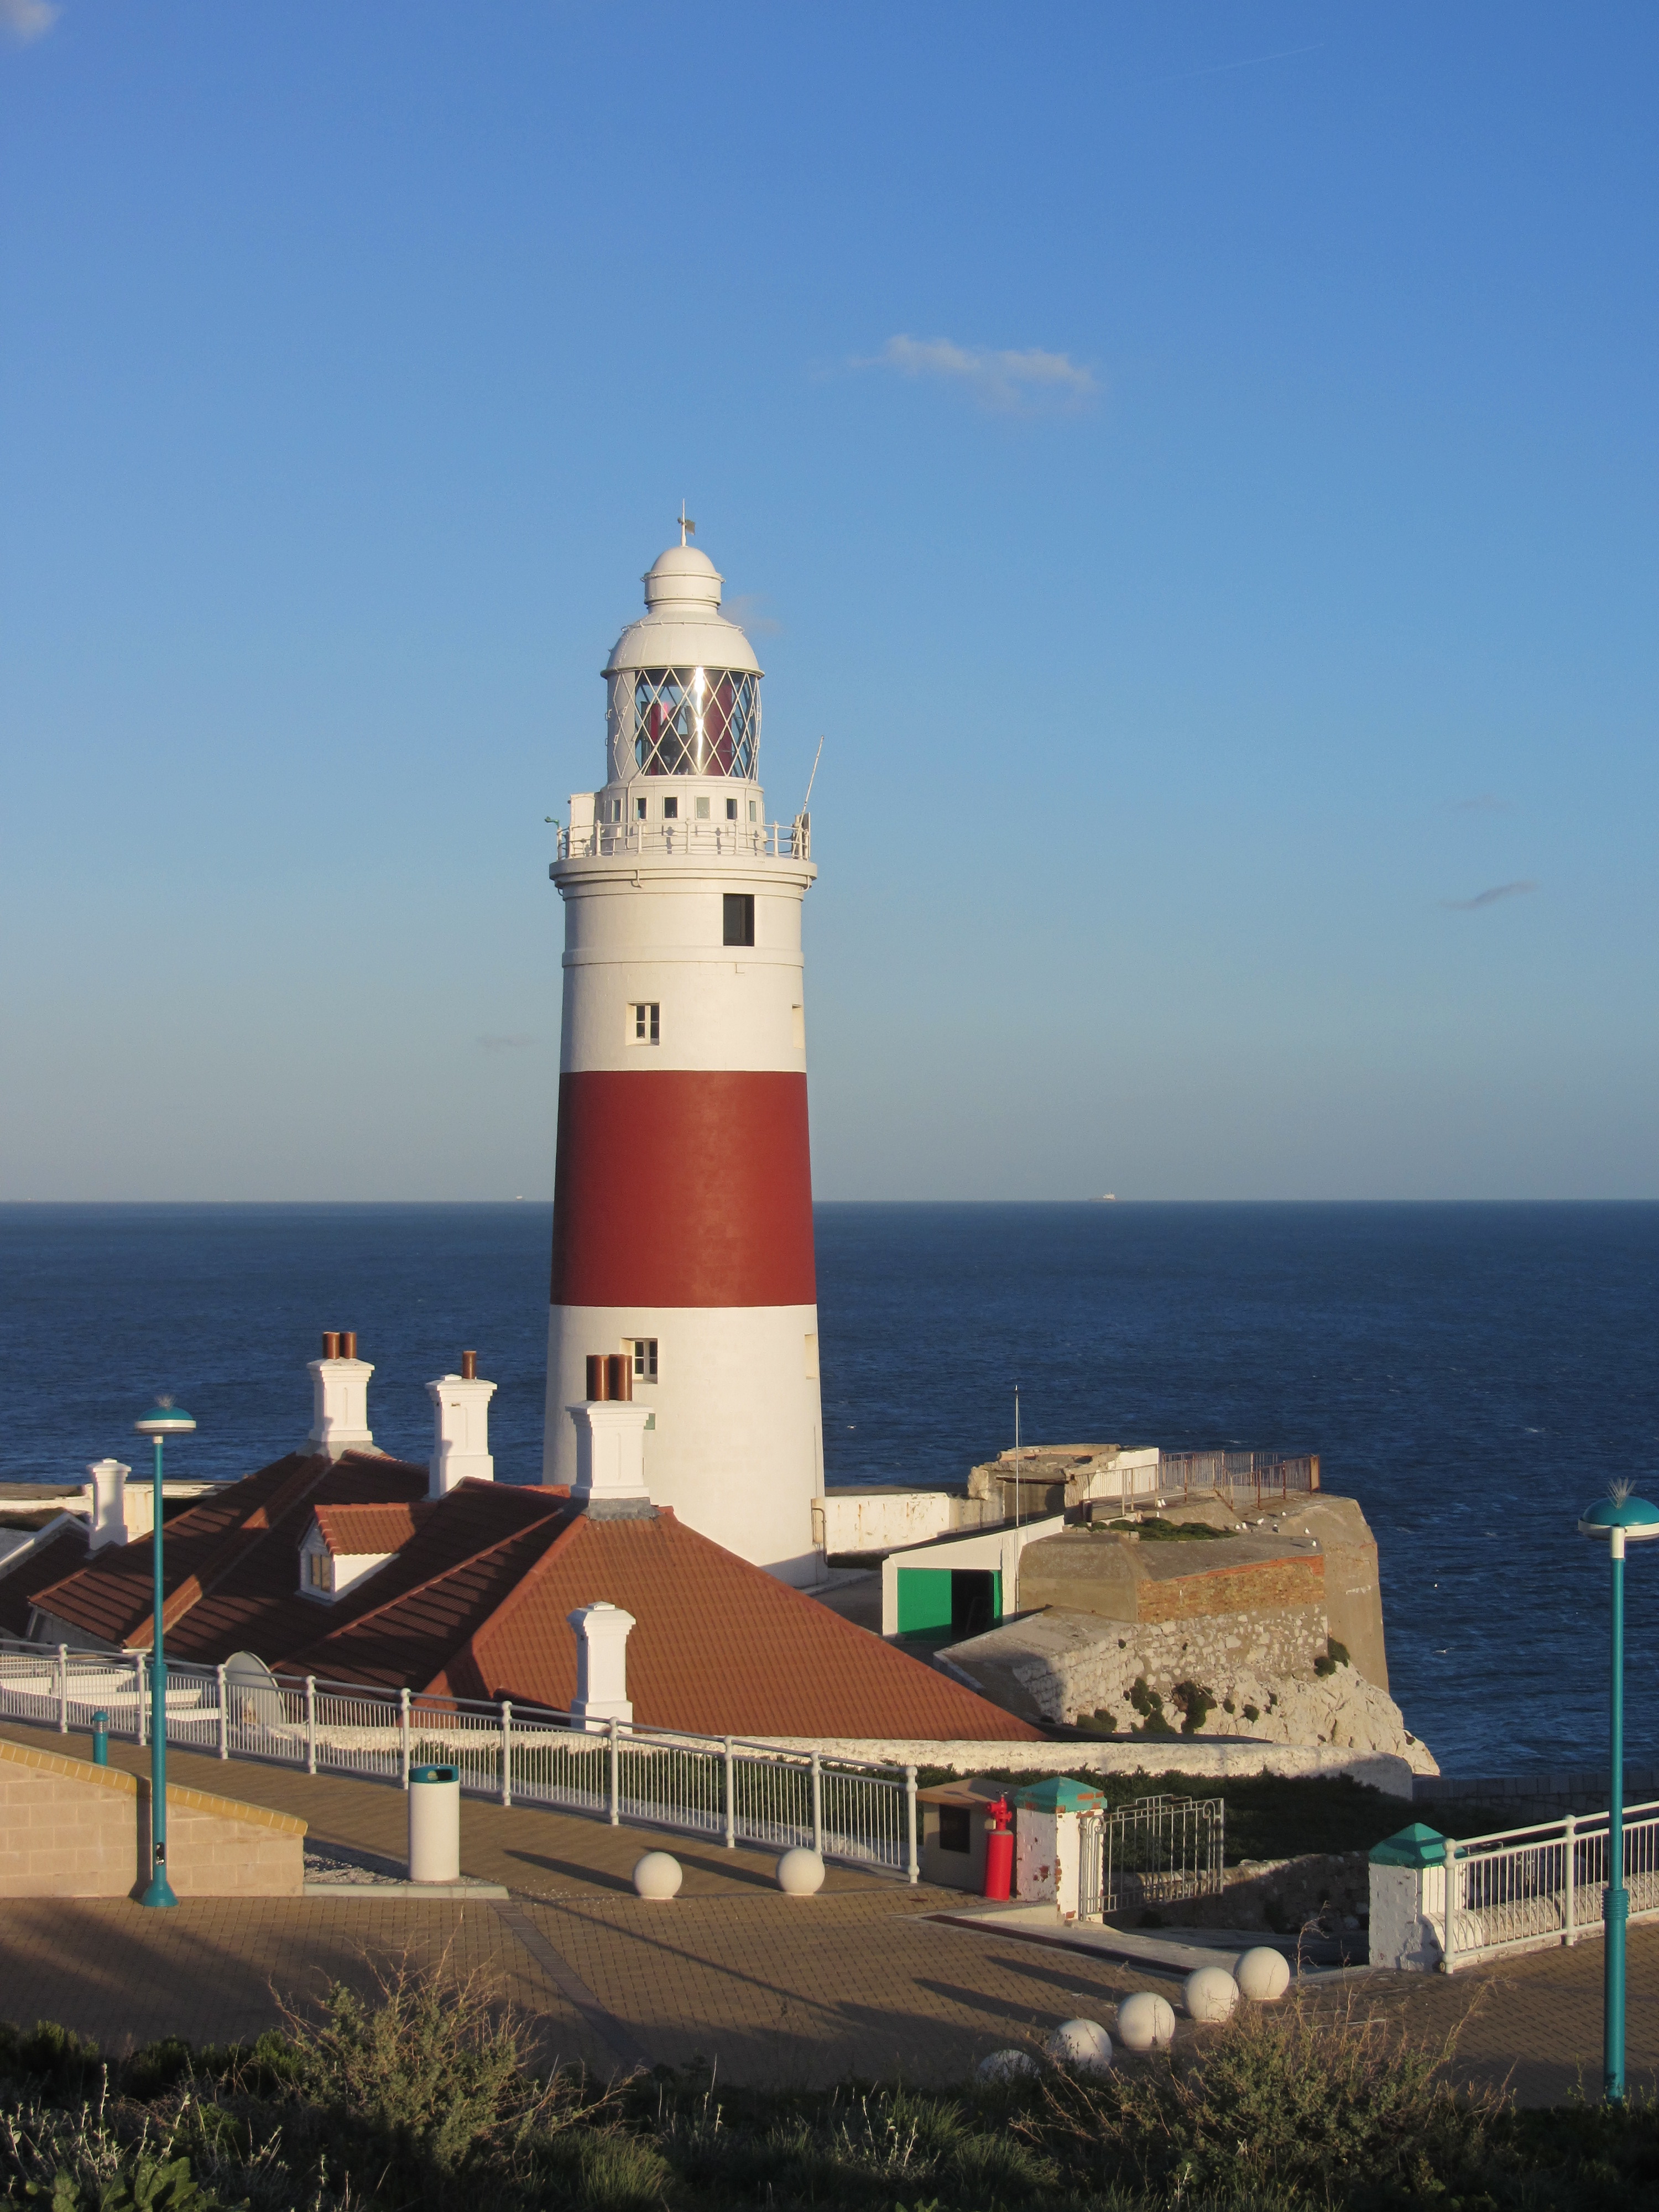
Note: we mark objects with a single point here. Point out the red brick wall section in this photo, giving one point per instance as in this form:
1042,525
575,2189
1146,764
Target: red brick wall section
1261,1586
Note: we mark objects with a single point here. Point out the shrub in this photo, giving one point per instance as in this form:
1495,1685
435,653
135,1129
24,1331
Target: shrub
1194,1703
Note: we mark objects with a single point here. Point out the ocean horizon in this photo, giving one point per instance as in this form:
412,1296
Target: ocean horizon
1475,1372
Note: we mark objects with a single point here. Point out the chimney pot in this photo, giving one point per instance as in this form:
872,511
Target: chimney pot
331,1344
619,1376
469,1367
599,1379
347,1344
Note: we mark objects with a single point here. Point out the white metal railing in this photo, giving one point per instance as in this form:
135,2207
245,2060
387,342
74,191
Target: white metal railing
770,841
727,1788
1525,1889
1149,1852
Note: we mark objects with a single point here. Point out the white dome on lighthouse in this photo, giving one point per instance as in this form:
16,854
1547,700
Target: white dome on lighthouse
683,626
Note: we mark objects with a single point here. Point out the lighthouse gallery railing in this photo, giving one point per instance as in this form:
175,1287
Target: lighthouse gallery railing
729,1788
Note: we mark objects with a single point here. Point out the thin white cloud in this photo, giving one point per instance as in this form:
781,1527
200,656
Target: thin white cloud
25,21
1489,897
1013,381
748,611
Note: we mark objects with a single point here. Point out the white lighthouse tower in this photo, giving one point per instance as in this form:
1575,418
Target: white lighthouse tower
683,1197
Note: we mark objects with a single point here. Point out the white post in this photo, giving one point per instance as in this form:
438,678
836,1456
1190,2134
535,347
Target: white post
506,1751
311,1723
1450,1944
911,1867
615,1763
731,1798
403,1724
817,1805
224,1715
1572,1855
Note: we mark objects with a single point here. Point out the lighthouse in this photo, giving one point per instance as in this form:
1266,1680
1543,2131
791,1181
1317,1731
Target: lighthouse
682,1262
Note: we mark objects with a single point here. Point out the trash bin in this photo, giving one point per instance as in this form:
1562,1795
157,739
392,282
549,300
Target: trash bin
435,1824
101,1739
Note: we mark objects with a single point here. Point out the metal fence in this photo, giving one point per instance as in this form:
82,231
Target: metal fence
1529,1887
1149,1852
774,841
1242,1477
727,1788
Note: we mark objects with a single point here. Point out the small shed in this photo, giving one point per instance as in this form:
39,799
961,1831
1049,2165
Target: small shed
950,1840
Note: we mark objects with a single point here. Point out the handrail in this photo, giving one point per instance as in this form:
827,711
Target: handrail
740,1789
770,841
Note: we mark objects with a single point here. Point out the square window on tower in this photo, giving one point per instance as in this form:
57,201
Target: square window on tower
752,818
738,917
639,815
671,813
645,1022
644,1349
731,816
702,816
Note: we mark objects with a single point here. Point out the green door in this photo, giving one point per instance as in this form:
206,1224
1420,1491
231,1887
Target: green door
924,1599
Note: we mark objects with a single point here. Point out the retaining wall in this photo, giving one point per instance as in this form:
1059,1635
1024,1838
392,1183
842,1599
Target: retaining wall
70,1829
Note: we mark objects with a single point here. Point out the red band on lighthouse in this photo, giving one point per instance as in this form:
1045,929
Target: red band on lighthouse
682,1188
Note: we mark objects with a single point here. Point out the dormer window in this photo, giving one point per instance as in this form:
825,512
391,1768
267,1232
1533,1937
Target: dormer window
346,1544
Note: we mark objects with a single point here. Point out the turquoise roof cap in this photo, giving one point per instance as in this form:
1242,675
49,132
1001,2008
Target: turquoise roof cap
1620,1509
1416,1846
1058,1793
165,1420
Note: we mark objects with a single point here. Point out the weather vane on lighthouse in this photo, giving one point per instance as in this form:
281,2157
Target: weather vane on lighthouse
688,528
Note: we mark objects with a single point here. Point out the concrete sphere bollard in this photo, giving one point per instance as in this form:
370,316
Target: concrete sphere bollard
1211,1993
658,1874
800,1872
1145,2021
1263,1974
1082,2046
1003,2066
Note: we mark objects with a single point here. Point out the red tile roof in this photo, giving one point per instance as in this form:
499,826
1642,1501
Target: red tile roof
473,1604
362,1531
47,1563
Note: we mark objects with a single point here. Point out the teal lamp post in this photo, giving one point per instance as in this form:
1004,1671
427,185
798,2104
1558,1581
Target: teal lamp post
163,1419
1621,1518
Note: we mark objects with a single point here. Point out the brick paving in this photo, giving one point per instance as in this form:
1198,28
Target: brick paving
766,1989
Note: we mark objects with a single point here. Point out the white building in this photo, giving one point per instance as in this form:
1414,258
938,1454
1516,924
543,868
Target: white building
682,1224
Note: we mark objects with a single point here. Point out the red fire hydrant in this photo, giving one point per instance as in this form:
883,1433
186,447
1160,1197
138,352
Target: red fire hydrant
999,1852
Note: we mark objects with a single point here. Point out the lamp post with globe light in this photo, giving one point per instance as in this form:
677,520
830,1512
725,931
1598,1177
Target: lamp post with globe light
1622,1518
163,1419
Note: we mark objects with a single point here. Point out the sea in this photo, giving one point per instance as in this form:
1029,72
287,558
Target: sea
1475,1375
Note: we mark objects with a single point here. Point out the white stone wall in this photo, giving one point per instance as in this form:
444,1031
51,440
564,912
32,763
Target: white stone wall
1187,1755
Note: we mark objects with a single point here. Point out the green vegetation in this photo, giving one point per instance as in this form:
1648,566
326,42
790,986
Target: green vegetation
426,2101
1152,1530
1335,1655
1194,1703
1272,1816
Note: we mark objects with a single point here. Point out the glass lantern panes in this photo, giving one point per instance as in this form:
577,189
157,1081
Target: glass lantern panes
695,721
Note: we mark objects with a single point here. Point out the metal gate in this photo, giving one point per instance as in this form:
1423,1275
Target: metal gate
1151,1851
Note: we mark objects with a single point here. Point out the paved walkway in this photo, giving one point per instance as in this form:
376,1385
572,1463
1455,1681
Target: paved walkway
768,1988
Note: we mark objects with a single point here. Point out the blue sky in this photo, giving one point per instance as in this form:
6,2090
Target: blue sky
1196,466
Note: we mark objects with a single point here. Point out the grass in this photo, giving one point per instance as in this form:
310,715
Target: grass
423,2101
1155,1531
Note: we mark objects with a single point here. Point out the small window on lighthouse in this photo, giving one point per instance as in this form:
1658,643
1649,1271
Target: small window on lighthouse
703,810
751,816
639,812
671,810
648,1028
730,810
739,918
644,1349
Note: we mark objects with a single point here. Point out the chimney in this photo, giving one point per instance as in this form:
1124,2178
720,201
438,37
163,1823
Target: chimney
340,1397
611,1443
460,1423
601,1664
107,1520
